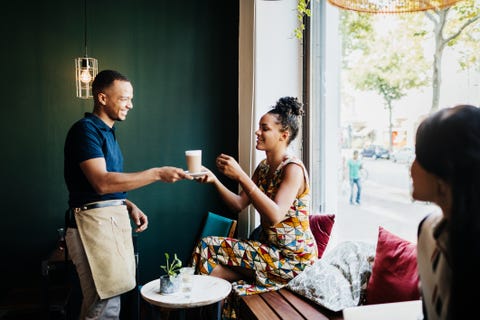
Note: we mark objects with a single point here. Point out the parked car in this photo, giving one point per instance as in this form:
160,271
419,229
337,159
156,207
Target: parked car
375,151
403,155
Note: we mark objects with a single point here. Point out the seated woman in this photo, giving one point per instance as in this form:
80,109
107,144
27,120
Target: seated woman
279,191
446,171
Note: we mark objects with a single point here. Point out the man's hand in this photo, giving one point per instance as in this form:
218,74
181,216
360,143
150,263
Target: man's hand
139,218
173,174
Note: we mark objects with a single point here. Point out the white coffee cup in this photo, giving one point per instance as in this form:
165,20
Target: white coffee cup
194,160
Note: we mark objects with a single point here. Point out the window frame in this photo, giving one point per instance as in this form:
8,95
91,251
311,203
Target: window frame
321,96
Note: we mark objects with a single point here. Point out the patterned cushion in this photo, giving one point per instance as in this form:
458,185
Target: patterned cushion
321,226
339,279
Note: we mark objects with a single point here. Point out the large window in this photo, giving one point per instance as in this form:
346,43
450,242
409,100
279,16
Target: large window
382,204
337,125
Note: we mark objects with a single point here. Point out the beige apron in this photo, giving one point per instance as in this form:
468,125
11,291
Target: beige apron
106,235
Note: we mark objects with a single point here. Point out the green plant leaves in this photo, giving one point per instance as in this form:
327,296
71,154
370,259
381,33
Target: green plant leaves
171,268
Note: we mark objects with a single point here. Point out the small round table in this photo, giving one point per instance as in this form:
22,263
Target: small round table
206,290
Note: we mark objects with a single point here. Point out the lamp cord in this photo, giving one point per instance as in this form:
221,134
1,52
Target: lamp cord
85,26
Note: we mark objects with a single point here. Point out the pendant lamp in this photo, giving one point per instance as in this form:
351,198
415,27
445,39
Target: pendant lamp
392,6
85,68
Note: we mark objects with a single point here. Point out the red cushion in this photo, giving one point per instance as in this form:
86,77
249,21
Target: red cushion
394,275
321,226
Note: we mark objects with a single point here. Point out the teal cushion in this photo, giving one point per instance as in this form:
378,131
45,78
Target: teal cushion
216,225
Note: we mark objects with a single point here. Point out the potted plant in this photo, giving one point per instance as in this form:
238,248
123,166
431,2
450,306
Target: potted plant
169,281
302,11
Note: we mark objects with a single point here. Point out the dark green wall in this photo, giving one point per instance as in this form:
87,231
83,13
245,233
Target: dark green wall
182,58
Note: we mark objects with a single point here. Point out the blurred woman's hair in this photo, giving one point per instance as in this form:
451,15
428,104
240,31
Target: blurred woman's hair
448,146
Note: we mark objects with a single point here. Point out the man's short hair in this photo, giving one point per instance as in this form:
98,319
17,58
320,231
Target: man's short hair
104,79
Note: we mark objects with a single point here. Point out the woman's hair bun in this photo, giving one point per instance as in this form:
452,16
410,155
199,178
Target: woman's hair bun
289,106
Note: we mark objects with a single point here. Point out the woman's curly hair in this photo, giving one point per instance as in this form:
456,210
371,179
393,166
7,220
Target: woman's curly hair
288,111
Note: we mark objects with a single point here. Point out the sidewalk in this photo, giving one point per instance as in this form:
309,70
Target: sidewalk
391,208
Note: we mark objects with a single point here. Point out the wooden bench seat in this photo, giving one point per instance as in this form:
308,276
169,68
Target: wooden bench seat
282,304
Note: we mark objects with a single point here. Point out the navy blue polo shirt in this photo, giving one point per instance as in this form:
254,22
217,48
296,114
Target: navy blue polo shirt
89,138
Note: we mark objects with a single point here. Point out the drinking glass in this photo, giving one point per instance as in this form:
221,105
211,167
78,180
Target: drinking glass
186,277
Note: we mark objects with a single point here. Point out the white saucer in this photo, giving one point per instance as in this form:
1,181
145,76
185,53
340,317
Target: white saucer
196,174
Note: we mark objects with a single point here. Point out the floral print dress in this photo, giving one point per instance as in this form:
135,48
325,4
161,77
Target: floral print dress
282,251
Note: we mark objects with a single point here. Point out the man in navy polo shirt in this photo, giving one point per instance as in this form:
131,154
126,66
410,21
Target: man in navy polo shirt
93,171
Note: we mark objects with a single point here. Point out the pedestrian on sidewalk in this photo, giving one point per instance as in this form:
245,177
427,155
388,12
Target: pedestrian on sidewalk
354,167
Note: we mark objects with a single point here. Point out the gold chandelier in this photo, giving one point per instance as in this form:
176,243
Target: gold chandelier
392,6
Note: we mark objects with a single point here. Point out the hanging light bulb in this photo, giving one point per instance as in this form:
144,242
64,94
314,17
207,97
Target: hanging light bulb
85,69
85,76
